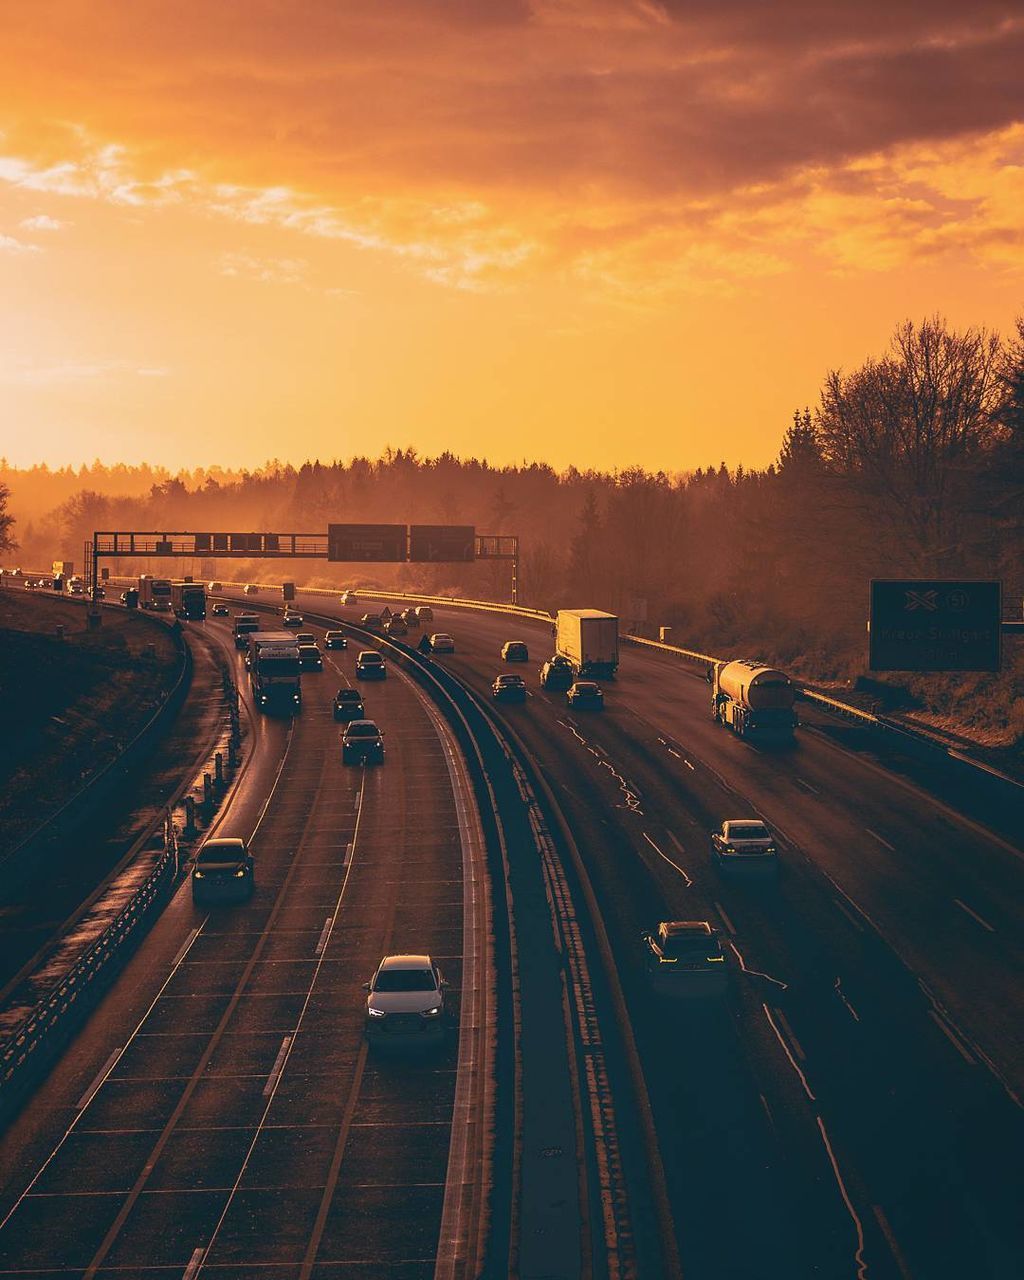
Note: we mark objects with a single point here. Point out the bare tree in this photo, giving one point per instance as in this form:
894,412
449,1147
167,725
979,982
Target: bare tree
908,429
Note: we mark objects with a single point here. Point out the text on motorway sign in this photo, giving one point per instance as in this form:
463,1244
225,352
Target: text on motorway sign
935,625
356,542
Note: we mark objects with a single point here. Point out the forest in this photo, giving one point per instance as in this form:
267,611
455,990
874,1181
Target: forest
911,465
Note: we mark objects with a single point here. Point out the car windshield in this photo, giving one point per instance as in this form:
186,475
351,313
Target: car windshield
584,686
348,695
510,679
405,980
334,635
213,854
748,831
362,731
369,659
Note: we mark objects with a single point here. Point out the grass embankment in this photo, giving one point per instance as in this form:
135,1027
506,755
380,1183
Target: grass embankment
69,706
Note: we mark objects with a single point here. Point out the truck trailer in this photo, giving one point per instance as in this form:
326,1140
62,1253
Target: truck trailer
753,699
589,639
154,593
274,671
188,600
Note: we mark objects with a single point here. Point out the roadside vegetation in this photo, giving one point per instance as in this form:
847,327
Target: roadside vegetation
70,705
911,465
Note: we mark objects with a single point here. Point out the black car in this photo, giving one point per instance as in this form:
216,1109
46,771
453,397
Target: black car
557,673
370,665
509,689
310,658
348,705
292,620
585,693
362,743
220,611
336,640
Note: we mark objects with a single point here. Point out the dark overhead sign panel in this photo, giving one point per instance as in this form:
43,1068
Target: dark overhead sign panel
935,625
442,542
355,542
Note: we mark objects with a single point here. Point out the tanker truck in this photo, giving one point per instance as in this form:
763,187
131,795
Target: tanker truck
753,699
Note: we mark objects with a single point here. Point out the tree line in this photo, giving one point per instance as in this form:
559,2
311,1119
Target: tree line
911,465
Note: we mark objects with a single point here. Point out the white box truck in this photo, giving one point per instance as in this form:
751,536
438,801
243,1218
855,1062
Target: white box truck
590,641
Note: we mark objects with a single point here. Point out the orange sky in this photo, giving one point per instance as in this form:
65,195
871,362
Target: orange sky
585,231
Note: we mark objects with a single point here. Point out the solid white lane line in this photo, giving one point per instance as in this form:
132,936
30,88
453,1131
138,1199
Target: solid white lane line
857,924
791,1035
725,919
862,1268
890,1240
786,1050
881,839
193,1264
807,786
187,946
101,1075
324,935
277,1068
951,1036
974,915
674,865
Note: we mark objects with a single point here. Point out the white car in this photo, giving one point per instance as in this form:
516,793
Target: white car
406,1001
684,960
349,597
441,642
744,844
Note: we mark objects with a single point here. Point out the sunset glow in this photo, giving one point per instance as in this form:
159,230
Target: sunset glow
583,231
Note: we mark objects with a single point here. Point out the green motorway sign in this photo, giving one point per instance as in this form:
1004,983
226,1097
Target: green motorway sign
935,625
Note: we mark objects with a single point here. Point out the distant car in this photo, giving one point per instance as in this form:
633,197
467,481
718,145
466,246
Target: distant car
557,673
372,622
441,642
336,640
348,705
223,871
161,606
586,694
348,597
370,665
101,593
292,620
410,617
305,637
515,651
424,613
508,688
684,959
220,611
215,586
250,589
406,1001
744,844
362,743
310,658
397,626
29,585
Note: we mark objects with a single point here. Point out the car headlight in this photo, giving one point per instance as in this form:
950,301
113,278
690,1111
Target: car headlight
432,1013
375,1013
240,873
197,874
295,696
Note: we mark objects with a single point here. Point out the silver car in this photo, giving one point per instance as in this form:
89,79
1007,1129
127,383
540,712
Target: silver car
406,1001
744,843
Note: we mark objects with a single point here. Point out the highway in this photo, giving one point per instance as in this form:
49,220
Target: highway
221,1114
854,1110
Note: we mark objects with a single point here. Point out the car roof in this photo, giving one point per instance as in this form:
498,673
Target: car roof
406,962
368,653
353,724
334,632
682,928
224,842
307,644
350,695
511,678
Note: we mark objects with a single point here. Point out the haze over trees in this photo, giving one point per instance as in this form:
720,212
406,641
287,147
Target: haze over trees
910,465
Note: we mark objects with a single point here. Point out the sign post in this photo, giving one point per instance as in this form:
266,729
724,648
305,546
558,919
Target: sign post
935,625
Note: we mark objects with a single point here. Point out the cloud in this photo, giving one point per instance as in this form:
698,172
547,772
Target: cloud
42,222
8,244
77,371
